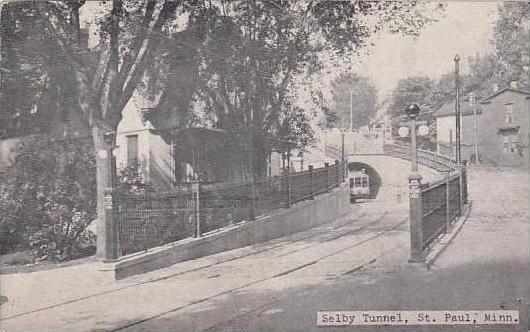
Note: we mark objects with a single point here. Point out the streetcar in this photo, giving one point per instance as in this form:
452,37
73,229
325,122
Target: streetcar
359,185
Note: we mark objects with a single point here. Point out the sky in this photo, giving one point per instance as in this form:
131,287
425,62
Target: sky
464,28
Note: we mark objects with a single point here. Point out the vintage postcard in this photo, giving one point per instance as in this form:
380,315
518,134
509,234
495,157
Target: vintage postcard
264,165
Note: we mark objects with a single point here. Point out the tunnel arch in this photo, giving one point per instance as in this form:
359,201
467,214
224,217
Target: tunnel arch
375,178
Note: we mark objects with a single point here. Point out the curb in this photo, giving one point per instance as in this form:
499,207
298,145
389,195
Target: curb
443,242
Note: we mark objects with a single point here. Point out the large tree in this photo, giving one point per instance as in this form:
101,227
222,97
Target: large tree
355,95
416,89
247,54
510,39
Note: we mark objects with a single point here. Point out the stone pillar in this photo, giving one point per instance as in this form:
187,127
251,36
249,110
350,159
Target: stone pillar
107,237
111,227
416,216
196,189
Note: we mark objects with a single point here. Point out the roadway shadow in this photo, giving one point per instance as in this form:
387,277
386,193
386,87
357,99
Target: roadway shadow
284,307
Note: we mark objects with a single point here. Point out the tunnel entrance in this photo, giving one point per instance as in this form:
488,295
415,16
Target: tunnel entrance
375,178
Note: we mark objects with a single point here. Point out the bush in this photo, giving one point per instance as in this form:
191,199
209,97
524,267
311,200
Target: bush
130,181
48,198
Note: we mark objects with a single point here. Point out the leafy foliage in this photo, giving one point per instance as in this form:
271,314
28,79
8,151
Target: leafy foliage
47,199
130,181
417,89
38,91
510,39
356,90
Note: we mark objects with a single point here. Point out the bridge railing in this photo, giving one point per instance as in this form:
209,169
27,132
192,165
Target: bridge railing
426,158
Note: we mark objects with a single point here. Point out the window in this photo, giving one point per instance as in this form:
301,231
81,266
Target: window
510,144
514,144
357,182
132,150
509,113
365,182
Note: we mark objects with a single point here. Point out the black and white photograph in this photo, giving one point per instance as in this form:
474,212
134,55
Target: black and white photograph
264,165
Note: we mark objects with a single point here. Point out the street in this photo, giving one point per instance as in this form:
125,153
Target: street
358,262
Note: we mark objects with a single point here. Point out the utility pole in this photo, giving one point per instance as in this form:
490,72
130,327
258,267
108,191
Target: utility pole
457,110
475,126
351,109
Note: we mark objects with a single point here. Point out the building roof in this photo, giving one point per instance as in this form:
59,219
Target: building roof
466,109
495,94
448,109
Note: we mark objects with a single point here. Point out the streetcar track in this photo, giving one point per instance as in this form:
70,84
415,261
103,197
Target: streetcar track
281,244
335,237
281,274
278,299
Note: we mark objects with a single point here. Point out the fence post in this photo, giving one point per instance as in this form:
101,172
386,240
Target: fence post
337,177
416,218
448,225
460,191
327,176
111,229
312,181
344,170
464,183
196,185
288,187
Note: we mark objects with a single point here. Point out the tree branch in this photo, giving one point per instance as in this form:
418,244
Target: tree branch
85,98
148,49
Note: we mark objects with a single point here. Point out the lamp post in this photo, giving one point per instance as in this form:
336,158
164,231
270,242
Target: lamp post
412,113
351,109
415,200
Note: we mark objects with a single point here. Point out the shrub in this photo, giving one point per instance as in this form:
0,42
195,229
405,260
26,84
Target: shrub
130,181
48,198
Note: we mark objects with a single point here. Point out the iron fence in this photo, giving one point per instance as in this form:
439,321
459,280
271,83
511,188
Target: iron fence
151,219
440,207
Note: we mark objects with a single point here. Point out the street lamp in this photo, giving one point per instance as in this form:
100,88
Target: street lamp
415,200
412,113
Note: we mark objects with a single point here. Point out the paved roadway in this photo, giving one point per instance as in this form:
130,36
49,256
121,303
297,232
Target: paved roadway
356,263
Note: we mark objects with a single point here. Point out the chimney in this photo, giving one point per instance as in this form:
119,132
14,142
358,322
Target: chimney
495,88
513,85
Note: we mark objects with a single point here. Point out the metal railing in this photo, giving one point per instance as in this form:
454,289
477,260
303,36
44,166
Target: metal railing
441,205
151,219
147,220
426,158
